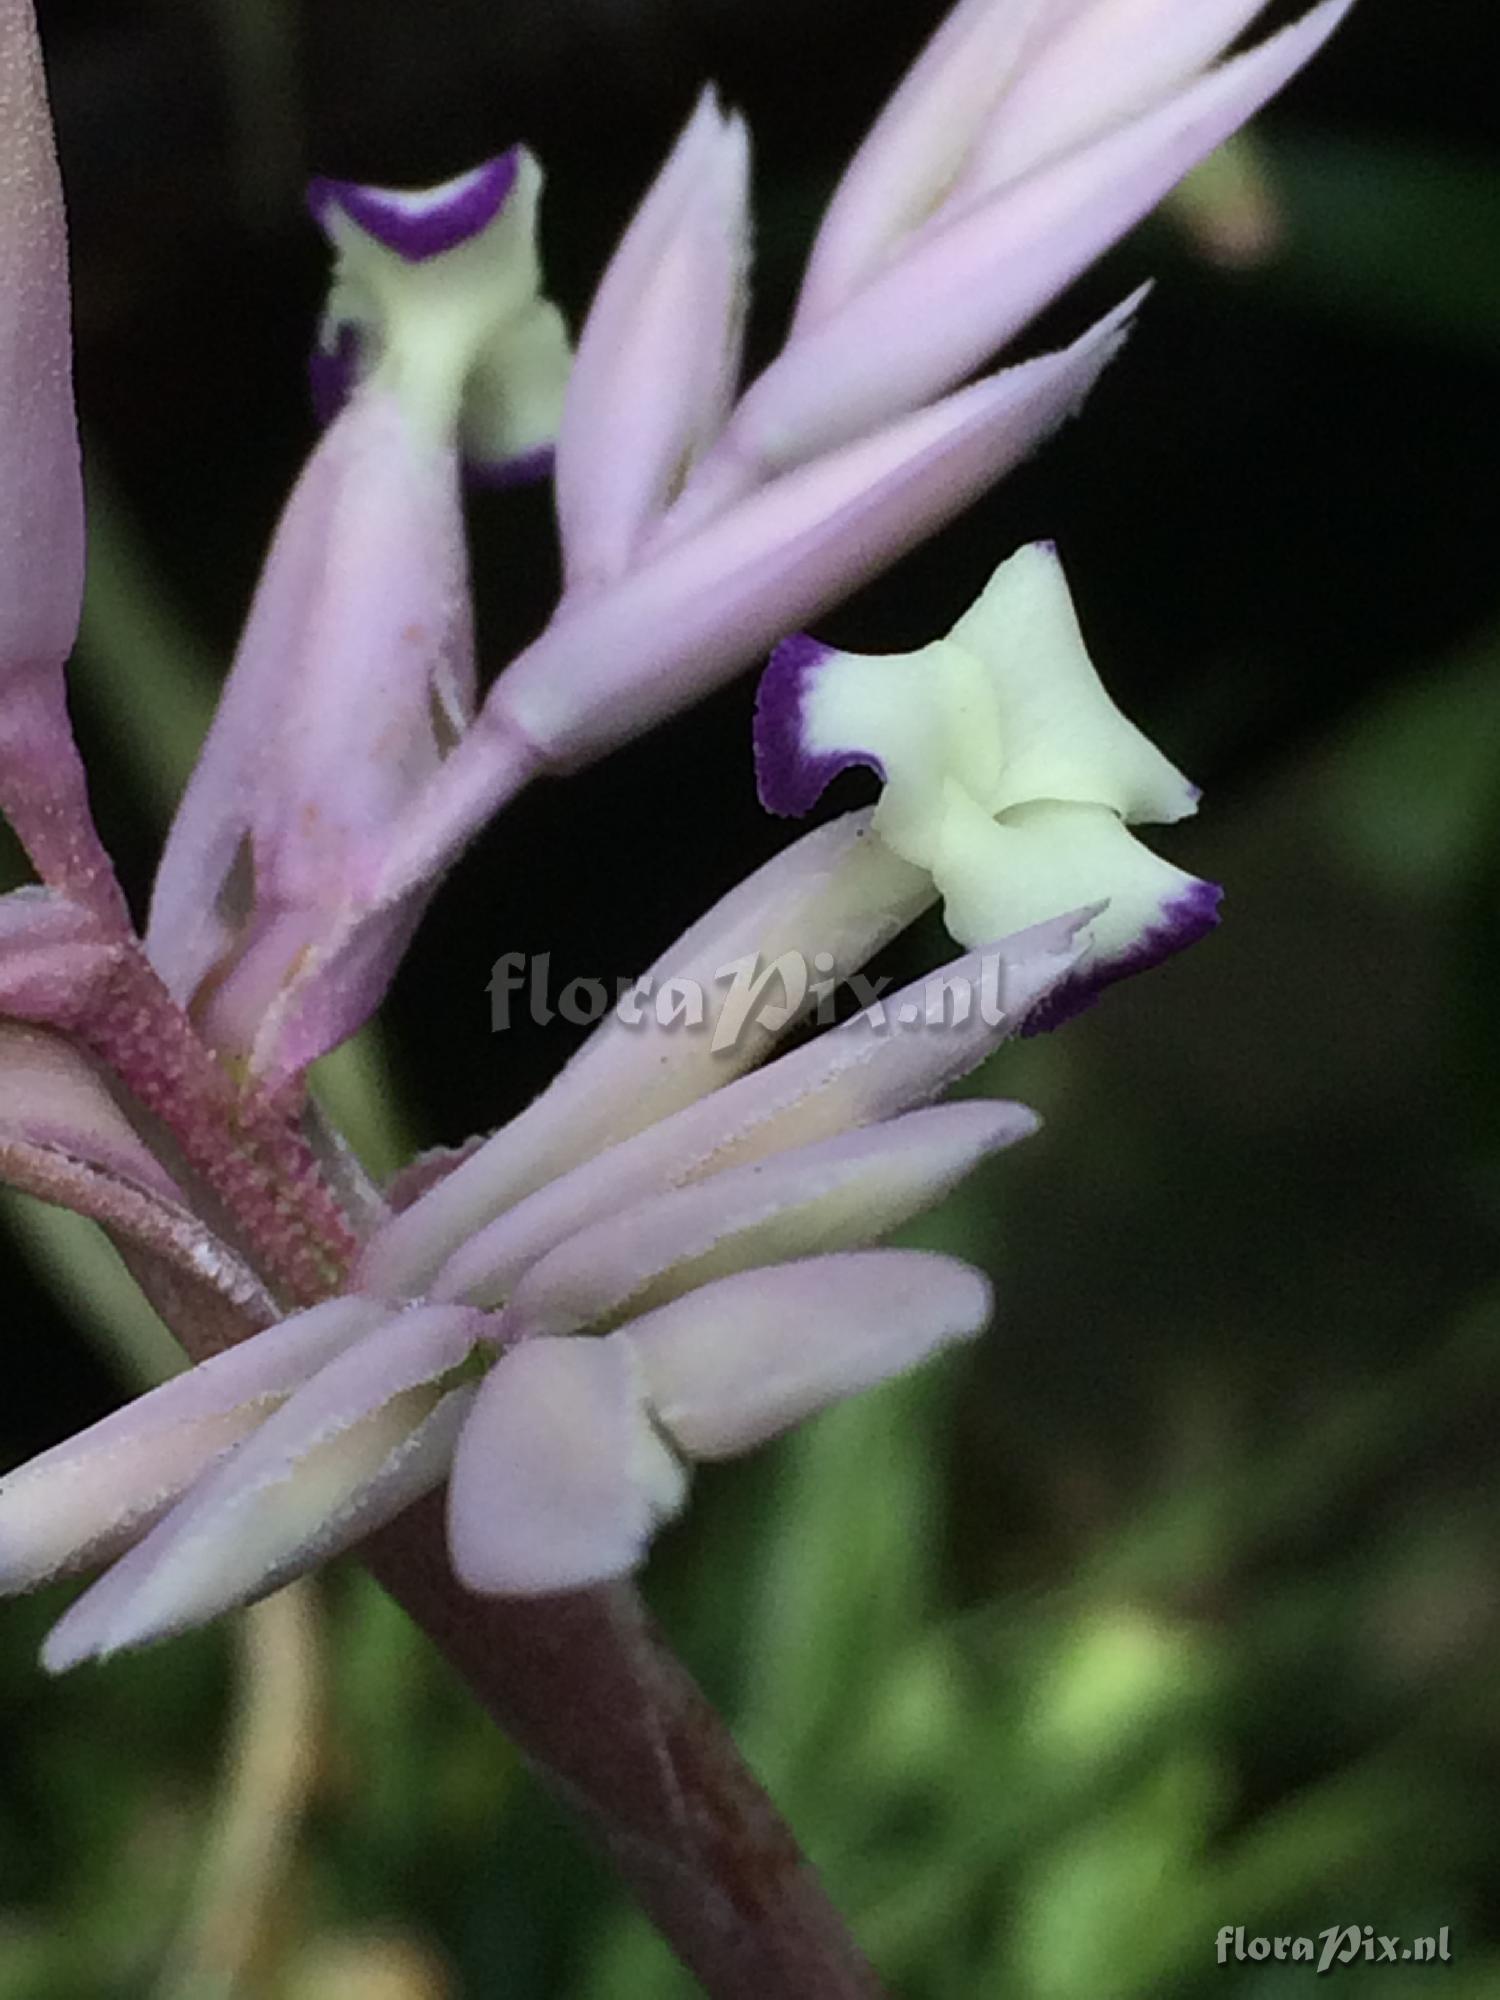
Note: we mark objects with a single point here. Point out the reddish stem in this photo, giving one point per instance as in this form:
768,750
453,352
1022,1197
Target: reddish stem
250,1152
587,1689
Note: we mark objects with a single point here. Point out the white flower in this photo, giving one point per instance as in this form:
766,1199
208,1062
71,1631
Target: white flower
1010,775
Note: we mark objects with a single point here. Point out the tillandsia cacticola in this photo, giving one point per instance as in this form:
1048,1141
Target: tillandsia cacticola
492,1381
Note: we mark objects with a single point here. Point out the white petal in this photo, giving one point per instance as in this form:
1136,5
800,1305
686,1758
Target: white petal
512,408
439,289
922,720
1039,859
1063,737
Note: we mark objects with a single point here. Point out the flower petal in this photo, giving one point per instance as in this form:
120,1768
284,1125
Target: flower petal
837,1194
1009,708
418,224
559,1479
1046,857
1063,737
435,297
95,1492
658,357
920,720
370,1433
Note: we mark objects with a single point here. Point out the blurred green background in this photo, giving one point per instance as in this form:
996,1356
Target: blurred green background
1176,1604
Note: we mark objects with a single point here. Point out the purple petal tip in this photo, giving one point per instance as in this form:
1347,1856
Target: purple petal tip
1183,921
789,778
333,372
424,223
527,468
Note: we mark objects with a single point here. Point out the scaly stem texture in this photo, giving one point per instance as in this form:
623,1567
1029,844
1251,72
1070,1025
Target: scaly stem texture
248,1150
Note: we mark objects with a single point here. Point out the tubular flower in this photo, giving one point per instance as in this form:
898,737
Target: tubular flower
436,300
355,676
1009,775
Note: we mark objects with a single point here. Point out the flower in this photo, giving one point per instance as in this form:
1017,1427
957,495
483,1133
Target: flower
43,792
355,675
436,300
1009,775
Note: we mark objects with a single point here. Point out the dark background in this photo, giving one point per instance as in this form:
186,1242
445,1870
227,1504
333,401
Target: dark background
1219,1492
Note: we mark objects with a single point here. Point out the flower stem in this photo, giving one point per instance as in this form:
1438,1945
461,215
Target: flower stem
588,1691
249,1151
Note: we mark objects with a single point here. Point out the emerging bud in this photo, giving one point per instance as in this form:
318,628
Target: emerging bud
436,299
41,546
